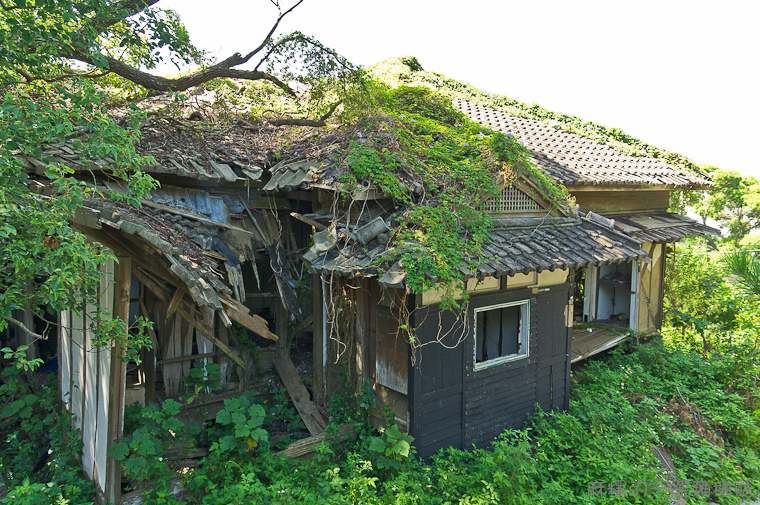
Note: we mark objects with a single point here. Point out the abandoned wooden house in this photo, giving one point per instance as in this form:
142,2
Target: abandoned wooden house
243,239
631,193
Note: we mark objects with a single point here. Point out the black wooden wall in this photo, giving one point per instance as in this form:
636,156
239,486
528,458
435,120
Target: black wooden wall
452,404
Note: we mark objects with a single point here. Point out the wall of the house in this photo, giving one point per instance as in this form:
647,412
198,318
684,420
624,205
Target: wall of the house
651,279
609,203
453,404
84,374
361,341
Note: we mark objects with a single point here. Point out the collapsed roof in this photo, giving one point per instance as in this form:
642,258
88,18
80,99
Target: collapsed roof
219,204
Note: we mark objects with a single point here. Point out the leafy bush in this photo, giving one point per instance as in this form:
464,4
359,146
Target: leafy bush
143,453
238,427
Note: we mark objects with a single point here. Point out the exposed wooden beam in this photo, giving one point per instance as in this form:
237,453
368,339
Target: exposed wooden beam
239,312
311,417
208,333
312,222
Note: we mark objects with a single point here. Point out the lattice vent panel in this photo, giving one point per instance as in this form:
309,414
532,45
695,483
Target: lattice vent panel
510,199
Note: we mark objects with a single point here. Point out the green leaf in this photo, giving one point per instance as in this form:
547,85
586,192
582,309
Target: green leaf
119,451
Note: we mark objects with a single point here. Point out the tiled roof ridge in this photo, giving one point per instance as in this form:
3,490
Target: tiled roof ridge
574,158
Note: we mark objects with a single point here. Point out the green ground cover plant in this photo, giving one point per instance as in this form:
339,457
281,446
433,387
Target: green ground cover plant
700,407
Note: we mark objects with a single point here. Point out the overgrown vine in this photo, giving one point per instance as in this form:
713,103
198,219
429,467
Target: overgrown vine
411,145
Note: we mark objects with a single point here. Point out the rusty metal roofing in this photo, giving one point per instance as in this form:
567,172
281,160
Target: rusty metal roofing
661,227
576,160
517,246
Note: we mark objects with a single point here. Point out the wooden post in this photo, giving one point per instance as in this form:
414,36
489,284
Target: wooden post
316,307
361,335
281,323
117,380
148,356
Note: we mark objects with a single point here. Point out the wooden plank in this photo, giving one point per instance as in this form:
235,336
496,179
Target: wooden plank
188,335
117,381
391,354
64,351
316,307
90,398
173,349
107,294
300,396
205,346
207,333
148,365
306,446
239,312
77,367
225,363
316,224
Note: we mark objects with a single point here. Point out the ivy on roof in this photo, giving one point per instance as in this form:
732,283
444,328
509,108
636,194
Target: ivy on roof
438,166
408,71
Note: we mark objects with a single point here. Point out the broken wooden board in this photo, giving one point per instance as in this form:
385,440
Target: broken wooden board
587,343
311,222
308,445
207,333
313,420
239,312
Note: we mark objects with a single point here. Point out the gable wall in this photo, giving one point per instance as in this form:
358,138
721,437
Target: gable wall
608,203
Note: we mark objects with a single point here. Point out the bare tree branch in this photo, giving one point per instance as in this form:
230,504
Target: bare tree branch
306,122
221,69
271,32
25,329
158,83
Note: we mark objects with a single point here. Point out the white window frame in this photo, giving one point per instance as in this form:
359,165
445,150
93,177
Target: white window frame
524,335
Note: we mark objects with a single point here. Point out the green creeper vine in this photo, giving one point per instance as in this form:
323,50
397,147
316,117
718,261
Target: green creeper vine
438,166
408,71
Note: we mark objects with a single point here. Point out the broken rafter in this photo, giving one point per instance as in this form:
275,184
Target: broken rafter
209,335
311,417
239,312
316,224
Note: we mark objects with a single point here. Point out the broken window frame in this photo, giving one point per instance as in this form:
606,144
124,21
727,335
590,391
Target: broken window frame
523,338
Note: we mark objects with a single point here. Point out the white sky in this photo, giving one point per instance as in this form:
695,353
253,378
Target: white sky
682,75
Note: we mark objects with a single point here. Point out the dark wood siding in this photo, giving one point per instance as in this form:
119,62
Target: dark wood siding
437,383
456,405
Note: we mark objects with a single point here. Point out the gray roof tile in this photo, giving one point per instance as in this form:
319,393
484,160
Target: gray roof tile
576,160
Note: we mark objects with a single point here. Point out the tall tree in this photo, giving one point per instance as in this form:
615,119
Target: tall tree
55,53
734,203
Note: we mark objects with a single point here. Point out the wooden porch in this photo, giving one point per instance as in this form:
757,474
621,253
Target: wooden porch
590,341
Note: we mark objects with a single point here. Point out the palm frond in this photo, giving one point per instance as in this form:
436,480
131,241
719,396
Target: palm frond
745,268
